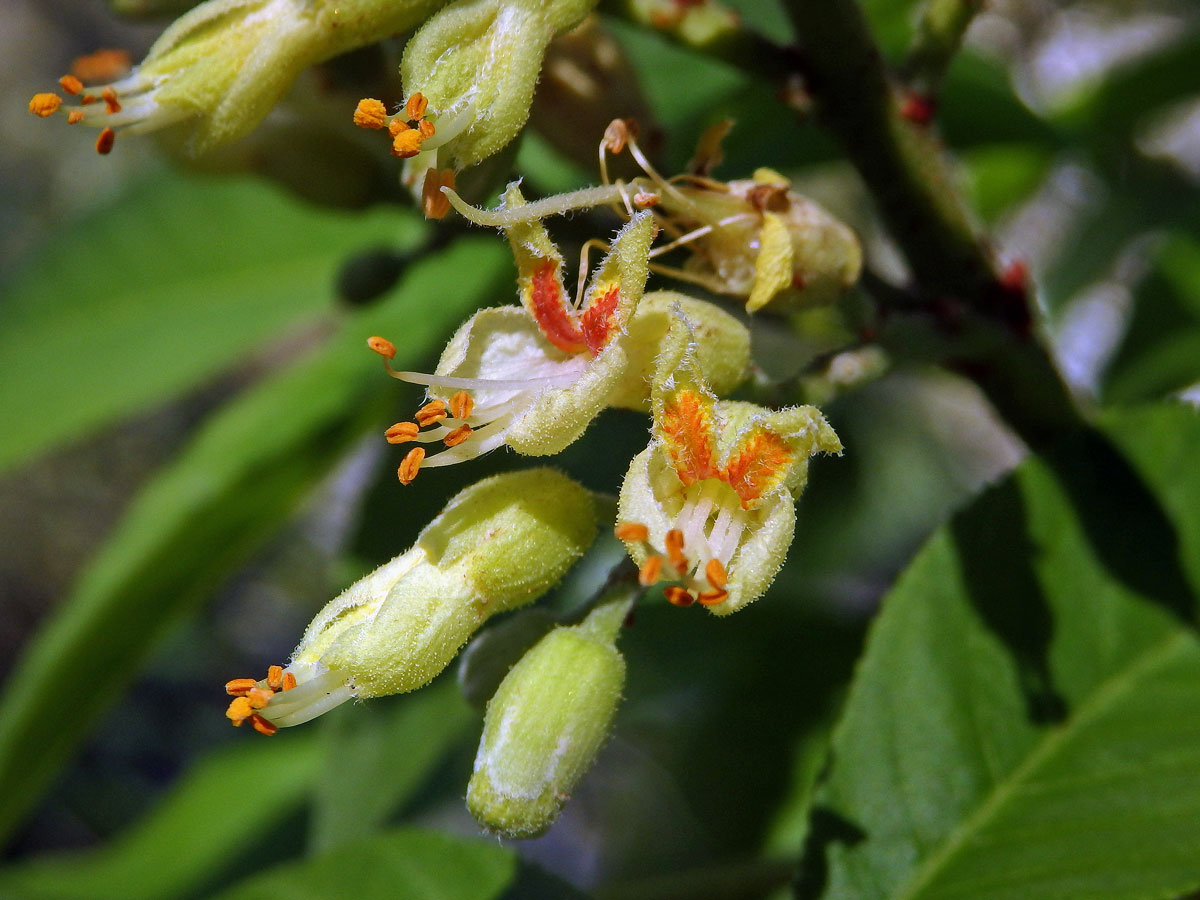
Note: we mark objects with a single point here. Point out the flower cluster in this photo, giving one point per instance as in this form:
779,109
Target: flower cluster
706,511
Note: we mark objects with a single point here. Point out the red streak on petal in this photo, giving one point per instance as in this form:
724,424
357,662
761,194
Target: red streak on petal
548,305
597,319
687,430
760,464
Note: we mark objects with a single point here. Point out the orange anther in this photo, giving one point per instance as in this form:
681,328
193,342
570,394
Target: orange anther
104,143
644,199
259,697
396,126
289,681
74,117
618,133
435,203
712,598
239,686
382,346
111,104
88,99
678,596
631,531
426,129
715,573
674,544
457,436
103,65
263,726
416,106
44,104
402,432
239,710
431,413
275,677
407,143
370,113
462,405
411,465
650,570
71,84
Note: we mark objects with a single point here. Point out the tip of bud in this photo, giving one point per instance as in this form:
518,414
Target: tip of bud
382,346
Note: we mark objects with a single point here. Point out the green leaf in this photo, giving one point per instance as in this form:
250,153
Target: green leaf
376,755
405,864
215,817
149,296
1026,719
230,489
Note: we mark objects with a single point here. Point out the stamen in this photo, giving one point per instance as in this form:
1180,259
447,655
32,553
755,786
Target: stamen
370,113
712,598
674,544
411,465
239,686
289,681
382,346
426,128
104,143
111,104
239,711
44,105
631,531
645,199
416,106
457,436
407,143
262,726
103,65
435,203
402,432
74,117
71,85
258,698
649,571
678,596
462,405
715,573
275,677
431,413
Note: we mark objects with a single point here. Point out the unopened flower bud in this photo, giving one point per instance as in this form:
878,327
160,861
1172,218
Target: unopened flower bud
497,545
545,724
477,61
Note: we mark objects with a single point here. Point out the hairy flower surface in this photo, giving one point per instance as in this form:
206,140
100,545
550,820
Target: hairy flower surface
477,61
709,505
497,545
534,376
222,66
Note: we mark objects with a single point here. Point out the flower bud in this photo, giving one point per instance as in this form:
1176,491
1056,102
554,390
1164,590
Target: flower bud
476,62
722,345
545,724
222,66
773,247
497,545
